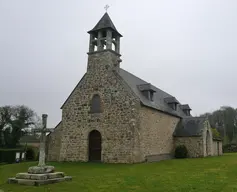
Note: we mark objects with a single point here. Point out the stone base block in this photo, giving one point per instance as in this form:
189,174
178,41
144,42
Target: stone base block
41,170
44,176
39,175
38,182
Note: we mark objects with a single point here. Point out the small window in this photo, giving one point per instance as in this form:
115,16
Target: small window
95,48
148,94
151,96
173,106
113,46
96,104
187,112
104,33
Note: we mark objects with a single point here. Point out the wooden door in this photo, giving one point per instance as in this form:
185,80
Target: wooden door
94,146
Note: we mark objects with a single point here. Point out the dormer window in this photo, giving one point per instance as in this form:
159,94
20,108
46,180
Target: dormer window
186,109
147,90
173,106
148,94
172,102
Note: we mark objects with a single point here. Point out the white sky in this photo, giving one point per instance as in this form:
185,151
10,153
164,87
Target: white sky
186,47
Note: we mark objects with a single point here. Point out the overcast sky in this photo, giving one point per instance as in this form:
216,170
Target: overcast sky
186,47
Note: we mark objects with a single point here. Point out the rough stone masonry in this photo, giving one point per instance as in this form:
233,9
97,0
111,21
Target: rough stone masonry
113,116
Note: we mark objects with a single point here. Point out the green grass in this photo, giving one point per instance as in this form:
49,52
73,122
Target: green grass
216,174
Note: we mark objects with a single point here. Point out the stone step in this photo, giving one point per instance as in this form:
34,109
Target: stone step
38,182
41,169
43,176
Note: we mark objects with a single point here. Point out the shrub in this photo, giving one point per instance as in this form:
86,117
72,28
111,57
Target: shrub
30,154
37,156
215,133
181,152
229,148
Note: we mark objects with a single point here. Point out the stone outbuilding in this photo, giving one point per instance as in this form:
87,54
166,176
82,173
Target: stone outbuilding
30,140
196,134
115,117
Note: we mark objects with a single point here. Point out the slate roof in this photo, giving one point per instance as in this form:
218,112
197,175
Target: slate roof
55,127
185,106
171,100
29,139
158,96
105,22
145,87
189,127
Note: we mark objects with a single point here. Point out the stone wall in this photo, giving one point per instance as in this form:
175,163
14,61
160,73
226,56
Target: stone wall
201,146
220,148
194,145
54,144
117,123
217,143
215,148
207,139
156,134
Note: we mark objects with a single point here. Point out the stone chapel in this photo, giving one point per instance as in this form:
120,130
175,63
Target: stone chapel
113,116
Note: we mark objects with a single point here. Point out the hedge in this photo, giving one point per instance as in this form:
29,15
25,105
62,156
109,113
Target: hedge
9,155
31,153
229,148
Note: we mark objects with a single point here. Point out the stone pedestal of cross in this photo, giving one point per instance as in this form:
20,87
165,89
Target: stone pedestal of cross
41,174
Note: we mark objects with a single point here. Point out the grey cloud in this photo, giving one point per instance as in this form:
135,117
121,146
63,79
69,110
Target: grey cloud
186,47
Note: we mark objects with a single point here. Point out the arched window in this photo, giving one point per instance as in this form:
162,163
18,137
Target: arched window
96,104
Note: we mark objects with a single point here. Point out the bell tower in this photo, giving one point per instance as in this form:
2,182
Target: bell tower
104,46
104,36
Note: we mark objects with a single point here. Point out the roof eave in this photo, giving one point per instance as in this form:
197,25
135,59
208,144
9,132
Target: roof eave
72,92
165,112
186,135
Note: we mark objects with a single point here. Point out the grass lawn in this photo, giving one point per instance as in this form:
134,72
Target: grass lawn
217,174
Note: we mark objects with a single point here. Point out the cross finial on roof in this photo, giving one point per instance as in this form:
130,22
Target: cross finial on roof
106,7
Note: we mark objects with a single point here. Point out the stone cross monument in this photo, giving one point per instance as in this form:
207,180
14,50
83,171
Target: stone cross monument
43,132
42,168
41,174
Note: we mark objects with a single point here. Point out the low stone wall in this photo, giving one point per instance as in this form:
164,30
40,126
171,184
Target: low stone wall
217,148
230,148
158,157
54,144
220,148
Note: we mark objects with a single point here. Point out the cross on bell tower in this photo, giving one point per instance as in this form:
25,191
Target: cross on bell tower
104,36
106,7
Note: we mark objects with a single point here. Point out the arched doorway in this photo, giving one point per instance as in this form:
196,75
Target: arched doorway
208,144
95,146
